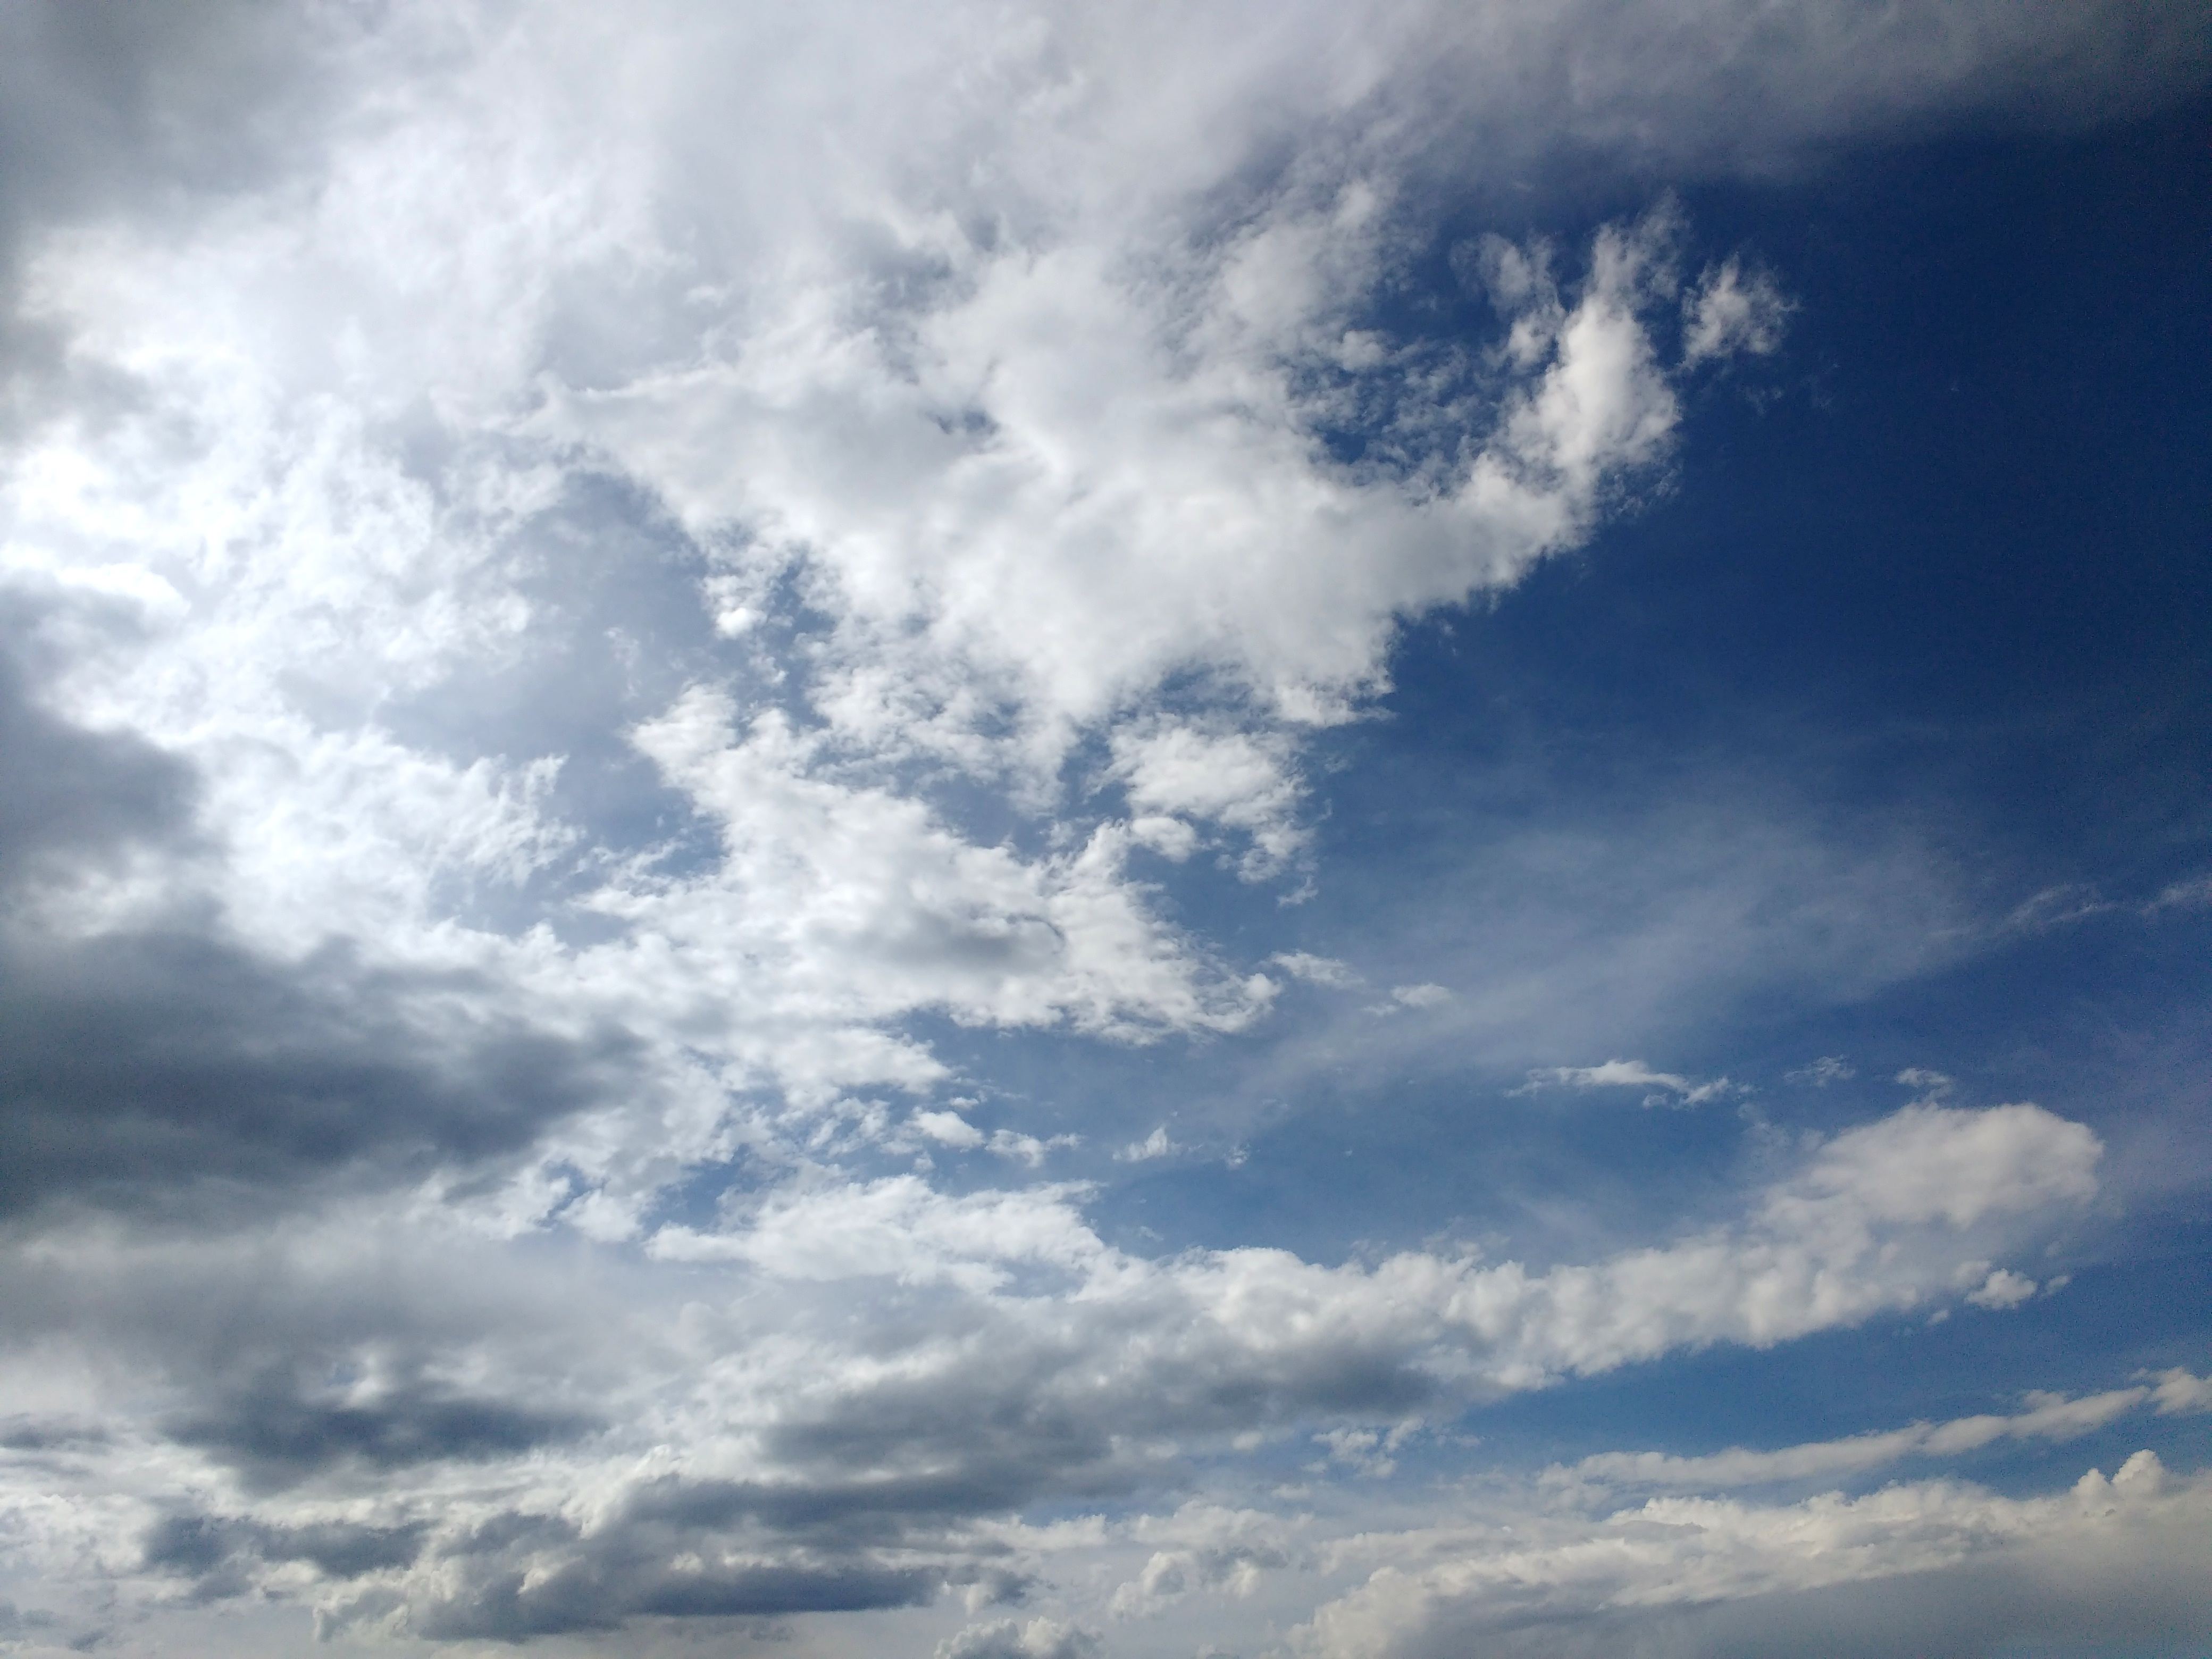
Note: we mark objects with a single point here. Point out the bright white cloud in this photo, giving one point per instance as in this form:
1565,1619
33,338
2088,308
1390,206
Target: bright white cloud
1669,1087
2048,1418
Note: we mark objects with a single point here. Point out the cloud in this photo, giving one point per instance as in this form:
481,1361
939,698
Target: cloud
1434,1592
1039,1639
2177,1391
2049,1418
1314,970
1828,1068
1419,996
69,795
848,1379
2192,894
1670,1087
1235,780
2002,1289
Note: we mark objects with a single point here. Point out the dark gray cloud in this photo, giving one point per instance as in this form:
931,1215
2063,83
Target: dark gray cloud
1006,1639
140,1068
219,1553
626,1572
276,1432
68,794
43,1434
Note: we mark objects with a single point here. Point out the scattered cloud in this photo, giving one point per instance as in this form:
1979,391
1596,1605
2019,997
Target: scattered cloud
2051,1417
1669,1089
1819,1073
1933,1085
1155,1145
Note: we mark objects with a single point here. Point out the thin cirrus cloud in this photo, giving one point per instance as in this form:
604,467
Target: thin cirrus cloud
591,609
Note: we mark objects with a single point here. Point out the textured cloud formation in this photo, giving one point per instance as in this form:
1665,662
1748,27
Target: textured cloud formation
1694,1553
592,607
771,1456
2053,1417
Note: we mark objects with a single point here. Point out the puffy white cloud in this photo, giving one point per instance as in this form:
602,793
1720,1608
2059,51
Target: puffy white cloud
893,1361
2179,1391
1728,313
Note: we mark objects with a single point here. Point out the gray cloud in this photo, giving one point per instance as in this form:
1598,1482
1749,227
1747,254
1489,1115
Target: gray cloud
141,1063
276,1433
203,1546
69,794
144,1068
598,1582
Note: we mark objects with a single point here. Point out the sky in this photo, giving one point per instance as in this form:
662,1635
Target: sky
1030,830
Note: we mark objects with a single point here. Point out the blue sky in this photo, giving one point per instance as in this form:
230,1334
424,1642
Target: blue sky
1045,832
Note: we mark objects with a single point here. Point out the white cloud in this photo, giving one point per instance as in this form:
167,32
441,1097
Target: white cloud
761,1361
1039,1638
2192,894
2177,1391
2002,1289
1728,314
1420,996
949,1130
1671,1087
1439,1590
2048,1418
1314,970
1238,781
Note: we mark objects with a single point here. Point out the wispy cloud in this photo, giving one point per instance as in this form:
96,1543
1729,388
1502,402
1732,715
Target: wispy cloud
1667,1088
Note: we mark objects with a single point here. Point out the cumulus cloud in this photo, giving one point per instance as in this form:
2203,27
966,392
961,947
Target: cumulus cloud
1729,312
2048,1417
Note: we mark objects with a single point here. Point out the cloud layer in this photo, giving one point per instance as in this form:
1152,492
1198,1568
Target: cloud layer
591,607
